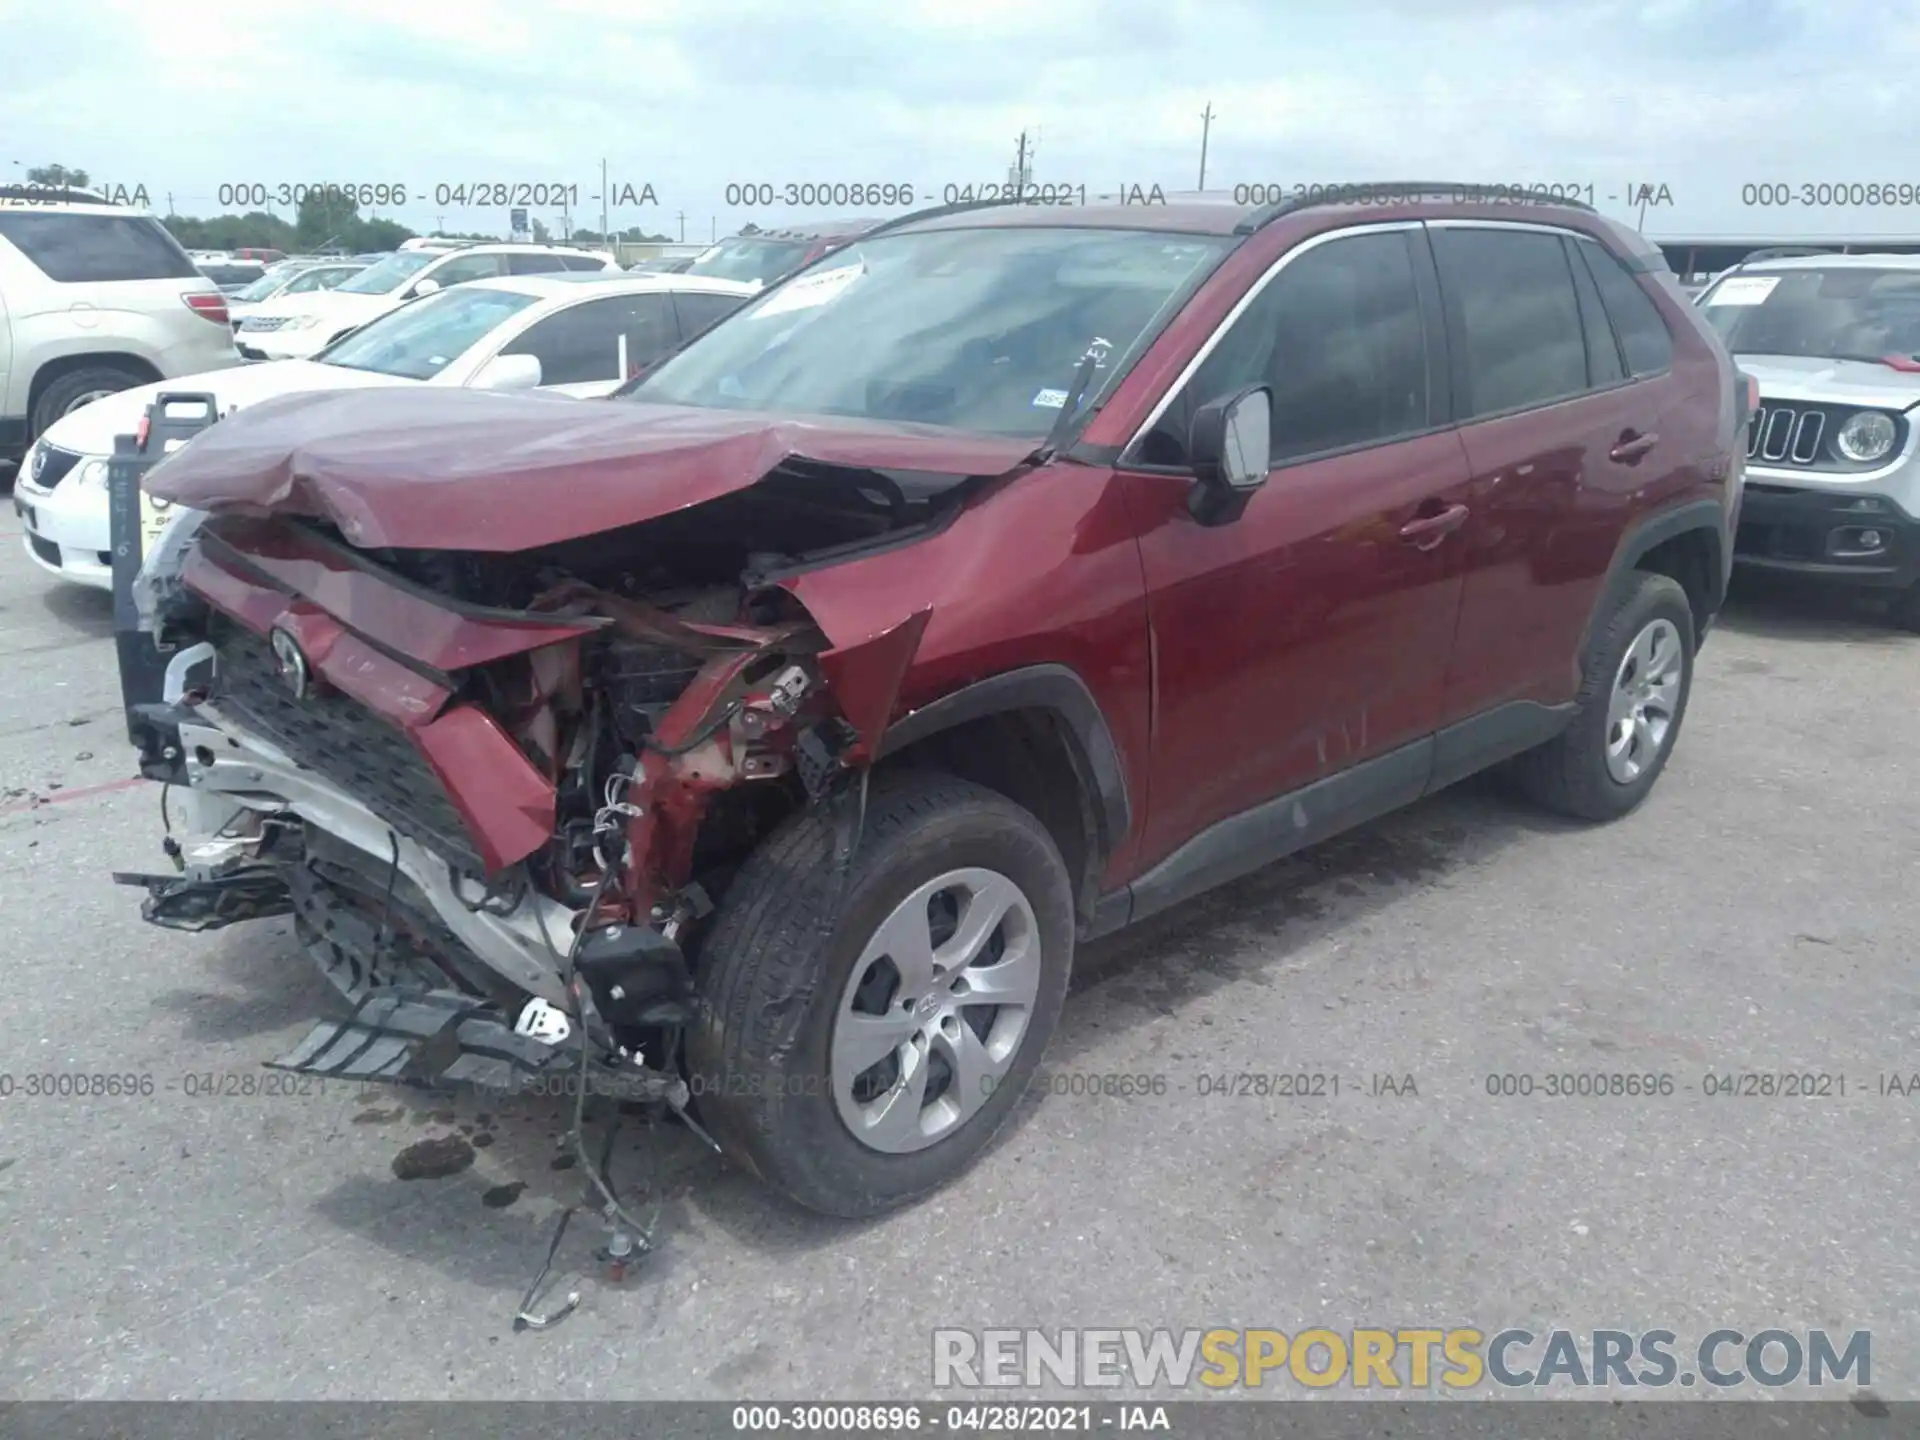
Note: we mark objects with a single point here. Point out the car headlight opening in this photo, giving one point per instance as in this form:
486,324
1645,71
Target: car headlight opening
1867,435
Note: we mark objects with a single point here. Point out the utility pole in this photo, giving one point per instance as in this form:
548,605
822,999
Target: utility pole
681,216
603,199
169,204
713,230
1206,127
1021,165
439,224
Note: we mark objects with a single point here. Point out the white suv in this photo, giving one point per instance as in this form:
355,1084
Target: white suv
95,299
295,327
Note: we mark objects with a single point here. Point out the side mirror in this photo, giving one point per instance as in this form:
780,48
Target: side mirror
508,372
1228,445
427,287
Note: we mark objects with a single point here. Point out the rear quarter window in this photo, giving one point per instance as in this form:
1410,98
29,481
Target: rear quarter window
78,249
1636,319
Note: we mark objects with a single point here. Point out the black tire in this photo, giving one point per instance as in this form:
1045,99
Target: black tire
1906,608
1569,773
63,390
772,986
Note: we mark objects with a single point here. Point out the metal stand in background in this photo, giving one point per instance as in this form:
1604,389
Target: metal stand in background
171,421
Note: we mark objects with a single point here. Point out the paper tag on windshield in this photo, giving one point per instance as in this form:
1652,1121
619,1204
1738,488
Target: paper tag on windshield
811,290
1051,399
1744,290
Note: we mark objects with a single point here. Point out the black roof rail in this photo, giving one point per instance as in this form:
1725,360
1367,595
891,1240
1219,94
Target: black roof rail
1786,252
934,212
1377,190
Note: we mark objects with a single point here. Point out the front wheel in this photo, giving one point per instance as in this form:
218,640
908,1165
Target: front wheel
863,1043
1628,713
1906,608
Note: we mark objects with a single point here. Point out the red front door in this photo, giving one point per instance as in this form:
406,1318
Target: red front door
1308,633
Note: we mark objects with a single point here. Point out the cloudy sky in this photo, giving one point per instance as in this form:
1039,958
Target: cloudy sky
1704,97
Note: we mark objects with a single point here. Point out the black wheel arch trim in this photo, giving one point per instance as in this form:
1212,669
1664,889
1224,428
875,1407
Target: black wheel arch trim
1059,690
1706,516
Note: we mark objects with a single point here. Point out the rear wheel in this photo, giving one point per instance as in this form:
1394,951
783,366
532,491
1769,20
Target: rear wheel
1631,702
861,1047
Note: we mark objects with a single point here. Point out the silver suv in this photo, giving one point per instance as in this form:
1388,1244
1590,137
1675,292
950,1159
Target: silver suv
95,299
1833,455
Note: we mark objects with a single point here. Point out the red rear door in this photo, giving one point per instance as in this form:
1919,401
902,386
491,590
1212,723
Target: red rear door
1560,436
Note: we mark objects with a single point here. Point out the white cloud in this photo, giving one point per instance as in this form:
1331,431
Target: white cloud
1704,95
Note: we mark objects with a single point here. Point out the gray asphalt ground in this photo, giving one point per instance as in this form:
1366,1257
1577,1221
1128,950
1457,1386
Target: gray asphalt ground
1760,913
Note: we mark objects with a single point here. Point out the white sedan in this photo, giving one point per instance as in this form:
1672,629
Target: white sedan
575,333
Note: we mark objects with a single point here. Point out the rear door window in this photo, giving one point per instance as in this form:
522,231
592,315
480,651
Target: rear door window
1514,315
82,249
701,312
466,267
537,264
588,342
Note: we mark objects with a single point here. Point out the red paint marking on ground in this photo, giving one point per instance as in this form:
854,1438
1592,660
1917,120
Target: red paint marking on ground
85,792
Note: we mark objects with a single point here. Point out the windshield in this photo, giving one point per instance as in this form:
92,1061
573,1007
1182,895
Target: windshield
980,330
390,274
749,259
1847,312
421,339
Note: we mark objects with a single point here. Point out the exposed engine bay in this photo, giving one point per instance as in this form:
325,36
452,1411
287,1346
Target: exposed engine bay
484,856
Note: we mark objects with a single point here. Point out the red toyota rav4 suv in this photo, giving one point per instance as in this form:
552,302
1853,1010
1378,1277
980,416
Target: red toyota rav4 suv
764,741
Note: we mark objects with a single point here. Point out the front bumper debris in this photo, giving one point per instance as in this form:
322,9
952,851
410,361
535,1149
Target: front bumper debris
177,902
444,1039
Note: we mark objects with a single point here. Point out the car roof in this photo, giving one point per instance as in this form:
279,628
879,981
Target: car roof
567,284
484,247
815,230
1833,262
1193,212
70,207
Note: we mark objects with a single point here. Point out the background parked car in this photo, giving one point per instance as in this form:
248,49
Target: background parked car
232,276
576,334
297,326
96,299
771,255
290,277
1833,455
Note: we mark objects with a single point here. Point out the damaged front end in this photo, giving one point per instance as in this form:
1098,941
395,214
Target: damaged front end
499,792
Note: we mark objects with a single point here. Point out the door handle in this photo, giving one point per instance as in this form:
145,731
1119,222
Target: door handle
1429,530
1631,447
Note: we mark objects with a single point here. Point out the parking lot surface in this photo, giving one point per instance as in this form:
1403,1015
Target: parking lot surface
1759,914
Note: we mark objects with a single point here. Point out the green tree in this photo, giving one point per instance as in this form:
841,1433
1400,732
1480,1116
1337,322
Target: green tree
231,232
57,175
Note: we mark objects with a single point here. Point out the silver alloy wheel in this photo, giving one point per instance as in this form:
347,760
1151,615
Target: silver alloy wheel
86,398
935,1010
1645,698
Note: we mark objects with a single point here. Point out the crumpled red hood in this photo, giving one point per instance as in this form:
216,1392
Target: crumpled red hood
427,468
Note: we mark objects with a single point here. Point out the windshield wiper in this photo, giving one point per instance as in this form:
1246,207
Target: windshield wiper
1069,410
